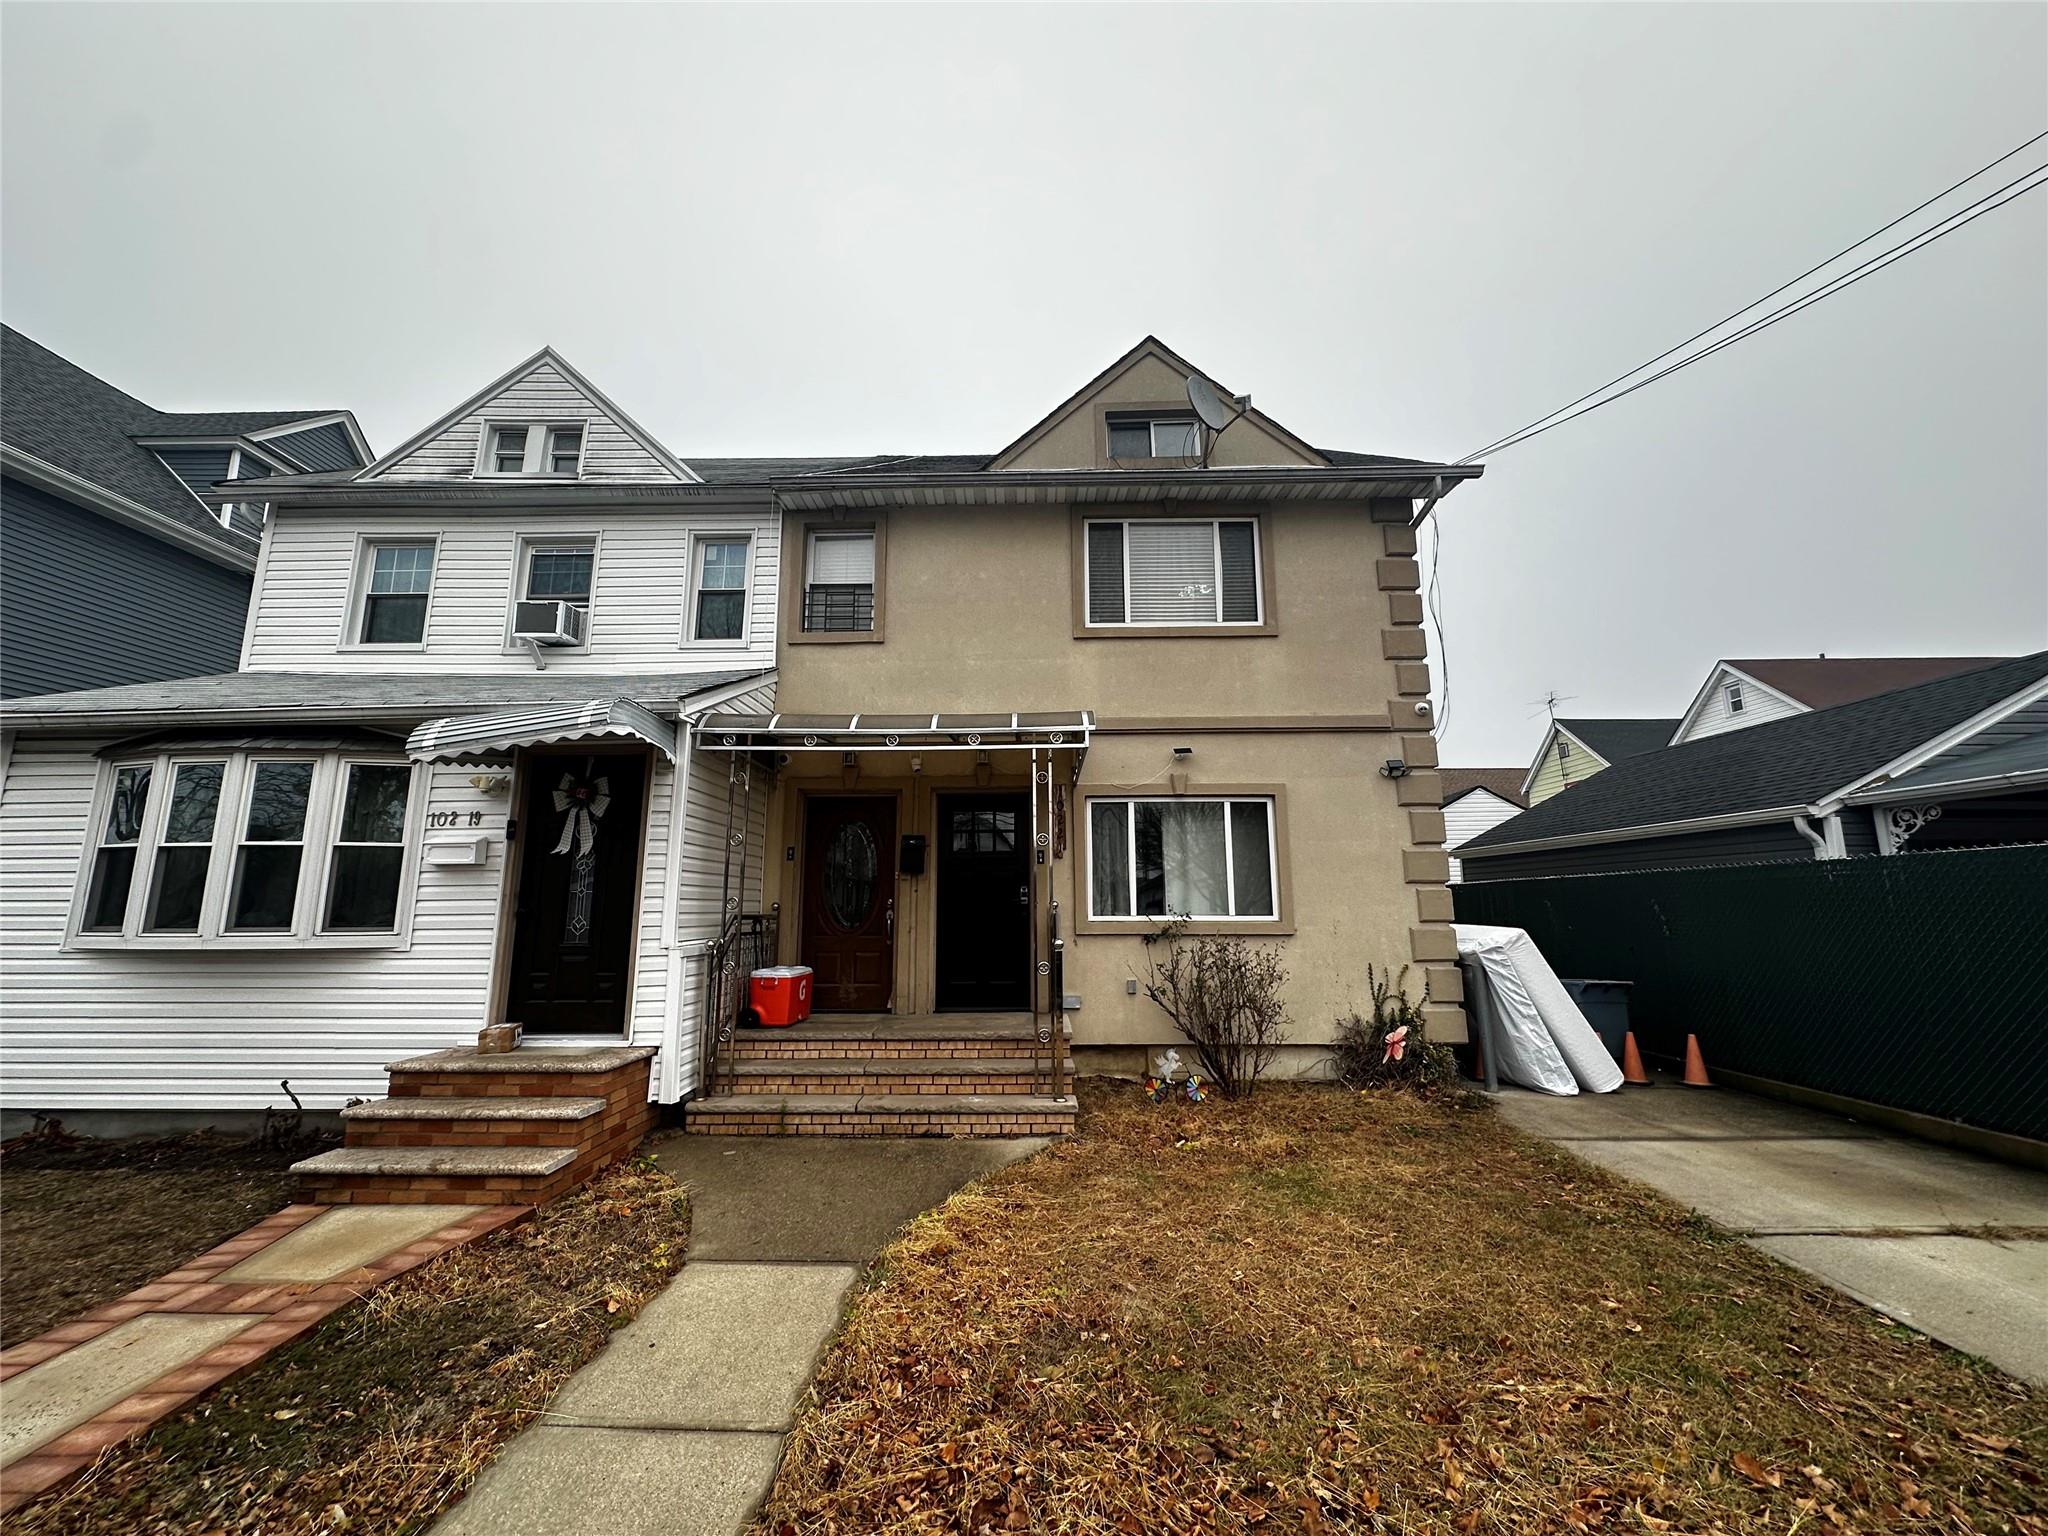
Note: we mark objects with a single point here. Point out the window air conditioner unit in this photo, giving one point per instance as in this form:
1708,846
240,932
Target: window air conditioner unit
549,623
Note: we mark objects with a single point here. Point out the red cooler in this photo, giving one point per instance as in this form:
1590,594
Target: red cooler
777,996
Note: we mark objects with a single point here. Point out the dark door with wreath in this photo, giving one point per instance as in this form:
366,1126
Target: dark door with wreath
849,933
579,879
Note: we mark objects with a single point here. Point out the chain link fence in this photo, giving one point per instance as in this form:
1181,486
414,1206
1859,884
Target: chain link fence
1918,981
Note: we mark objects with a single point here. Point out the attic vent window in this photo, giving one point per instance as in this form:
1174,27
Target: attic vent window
1154,437
1734,692
555,450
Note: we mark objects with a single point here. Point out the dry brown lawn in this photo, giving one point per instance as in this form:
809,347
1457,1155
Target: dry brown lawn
1325,1311
384,1415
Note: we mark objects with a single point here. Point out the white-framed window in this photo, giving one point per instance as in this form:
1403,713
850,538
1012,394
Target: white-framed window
396,582
1734,693
839,580
554,449
1564,749
241,849
719,577
1183,856
555,569
1154,437
1170,572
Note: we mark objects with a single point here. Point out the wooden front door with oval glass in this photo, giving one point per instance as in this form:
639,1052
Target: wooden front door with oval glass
579,893
849,931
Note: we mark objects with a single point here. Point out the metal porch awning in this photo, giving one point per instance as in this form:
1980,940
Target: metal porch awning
981,732
457,737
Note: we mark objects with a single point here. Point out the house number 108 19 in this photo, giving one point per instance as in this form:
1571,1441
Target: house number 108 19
438,819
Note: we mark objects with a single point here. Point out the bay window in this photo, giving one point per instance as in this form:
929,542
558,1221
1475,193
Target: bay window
250,848
1182,856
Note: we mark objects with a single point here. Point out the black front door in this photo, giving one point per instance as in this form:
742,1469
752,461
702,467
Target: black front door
984,899
579,879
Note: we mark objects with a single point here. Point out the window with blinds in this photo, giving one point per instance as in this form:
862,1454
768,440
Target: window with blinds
839,581
1170,573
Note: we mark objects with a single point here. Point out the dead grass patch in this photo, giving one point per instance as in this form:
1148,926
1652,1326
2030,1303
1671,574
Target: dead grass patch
383,1416
1321,1311
84,1222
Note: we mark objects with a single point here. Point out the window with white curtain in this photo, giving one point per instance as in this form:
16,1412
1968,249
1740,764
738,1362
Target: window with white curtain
244,848
1170,572
1182,856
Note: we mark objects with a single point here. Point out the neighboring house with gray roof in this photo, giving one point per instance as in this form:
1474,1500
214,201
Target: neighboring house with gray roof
1961,761
1746,692
1575,749
116,567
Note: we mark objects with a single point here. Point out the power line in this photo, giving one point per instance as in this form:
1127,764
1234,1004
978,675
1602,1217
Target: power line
1968,214
1881,229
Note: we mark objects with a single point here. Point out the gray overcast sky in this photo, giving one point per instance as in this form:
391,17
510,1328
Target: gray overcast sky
867,229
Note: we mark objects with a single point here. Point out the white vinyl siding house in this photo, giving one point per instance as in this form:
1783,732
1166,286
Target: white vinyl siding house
1732,701
308,604
1474,812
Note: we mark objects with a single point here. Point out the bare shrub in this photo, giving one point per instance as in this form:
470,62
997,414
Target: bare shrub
1223,995
1388,1050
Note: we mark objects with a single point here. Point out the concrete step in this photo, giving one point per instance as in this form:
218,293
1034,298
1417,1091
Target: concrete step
468,1175
992,1075
426,1120
880,1114
467,1060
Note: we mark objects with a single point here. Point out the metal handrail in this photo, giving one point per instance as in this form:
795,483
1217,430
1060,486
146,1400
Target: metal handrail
1054,1031
746,943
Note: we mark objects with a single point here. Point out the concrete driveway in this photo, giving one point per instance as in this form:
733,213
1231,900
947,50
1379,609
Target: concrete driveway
1949,1243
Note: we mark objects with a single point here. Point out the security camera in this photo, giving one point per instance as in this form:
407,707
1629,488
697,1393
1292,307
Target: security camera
1422,708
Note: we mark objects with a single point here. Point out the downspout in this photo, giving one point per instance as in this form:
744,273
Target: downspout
676,1004
1429,506
1823,843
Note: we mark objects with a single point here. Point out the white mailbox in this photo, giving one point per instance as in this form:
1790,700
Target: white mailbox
469,852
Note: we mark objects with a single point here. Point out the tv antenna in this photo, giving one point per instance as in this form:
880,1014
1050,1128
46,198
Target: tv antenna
1214,411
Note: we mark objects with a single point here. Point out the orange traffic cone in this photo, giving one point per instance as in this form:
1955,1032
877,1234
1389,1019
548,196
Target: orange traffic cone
1632,1062
1695,1066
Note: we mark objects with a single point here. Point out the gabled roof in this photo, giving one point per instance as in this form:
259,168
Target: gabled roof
1762,772
1154,347
2022,761
549,358
1504,782
1821,682
53,413
1614,740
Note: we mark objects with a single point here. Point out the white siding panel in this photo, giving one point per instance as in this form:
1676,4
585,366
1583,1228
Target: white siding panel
1480,810
218,1029
640,593
543,395
1758,705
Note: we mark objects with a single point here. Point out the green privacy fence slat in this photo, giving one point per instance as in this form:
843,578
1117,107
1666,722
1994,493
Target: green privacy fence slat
1918,981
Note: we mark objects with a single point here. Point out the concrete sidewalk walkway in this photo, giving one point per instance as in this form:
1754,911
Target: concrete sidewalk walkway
1923,1233
677,1427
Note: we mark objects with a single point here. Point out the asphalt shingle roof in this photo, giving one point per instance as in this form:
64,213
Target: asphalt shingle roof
395,695
1821,682
1505,782
1617,739
1795,761
57,412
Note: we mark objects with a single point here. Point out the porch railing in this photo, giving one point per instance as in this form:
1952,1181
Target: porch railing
745,945
1052,1024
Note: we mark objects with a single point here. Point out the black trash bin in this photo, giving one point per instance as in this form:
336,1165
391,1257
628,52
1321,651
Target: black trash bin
1605,1005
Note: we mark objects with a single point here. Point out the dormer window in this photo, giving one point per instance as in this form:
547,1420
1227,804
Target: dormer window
1154,437
535,450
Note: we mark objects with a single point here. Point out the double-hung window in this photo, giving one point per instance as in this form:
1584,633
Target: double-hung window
534,449
839,580
720,590
1173,573
1734,692
246,848
1182,856
396,584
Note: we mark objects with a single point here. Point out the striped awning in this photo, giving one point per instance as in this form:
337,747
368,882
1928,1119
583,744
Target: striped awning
457,737
894,732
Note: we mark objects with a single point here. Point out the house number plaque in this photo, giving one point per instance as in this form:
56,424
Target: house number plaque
438,821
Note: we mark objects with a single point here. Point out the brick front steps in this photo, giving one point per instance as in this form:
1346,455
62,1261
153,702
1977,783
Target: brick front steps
463,1128
887,1074
880,1114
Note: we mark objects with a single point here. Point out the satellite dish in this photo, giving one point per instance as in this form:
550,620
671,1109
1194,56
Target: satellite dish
1208,404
